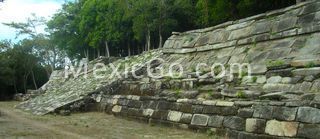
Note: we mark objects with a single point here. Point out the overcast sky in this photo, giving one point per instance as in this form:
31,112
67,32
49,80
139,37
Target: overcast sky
20,10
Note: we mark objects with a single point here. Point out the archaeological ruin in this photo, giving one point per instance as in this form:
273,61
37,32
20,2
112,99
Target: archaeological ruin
276,96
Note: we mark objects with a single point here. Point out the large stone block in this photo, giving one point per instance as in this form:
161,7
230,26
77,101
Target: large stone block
284,24
215,121
255,125
218,36
234,122
225,103
306,71
186,118
284,129
186,108
316,86
160,114
277,87
163,105
147,112
245,113
274,80
284,113
264,112
197,109
311,131
174,116
116,109
228,111
211,110
240,33
200,120
134,104
149,104
262,27
306,20
308,115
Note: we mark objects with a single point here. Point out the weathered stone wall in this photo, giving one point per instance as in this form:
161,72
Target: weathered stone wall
288,35
280,100
232,119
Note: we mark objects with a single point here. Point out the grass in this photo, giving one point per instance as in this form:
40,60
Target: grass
254,79
246,50
243,73
275,63
310,65
240,94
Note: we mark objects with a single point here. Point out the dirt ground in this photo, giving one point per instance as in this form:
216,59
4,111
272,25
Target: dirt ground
15,124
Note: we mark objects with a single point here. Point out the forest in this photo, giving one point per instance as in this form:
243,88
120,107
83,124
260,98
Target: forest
117,28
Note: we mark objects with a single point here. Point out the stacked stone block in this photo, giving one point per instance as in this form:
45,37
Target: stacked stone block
239,119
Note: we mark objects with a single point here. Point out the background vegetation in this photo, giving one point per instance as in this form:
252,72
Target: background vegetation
93,28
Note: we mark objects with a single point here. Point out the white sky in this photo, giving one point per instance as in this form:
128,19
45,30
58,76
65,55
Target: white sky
20,10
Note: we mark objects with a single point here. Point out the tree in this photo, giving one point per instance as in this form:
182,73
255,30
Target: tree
64,30
144,20
40,44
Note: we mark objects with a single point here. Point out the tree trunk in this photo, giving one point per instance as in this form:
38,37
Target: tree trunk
129,49
161,22
25,83
98,52
160,39
299,1
148,40
15,85
94,53
34,80
206,13
86,53
107,49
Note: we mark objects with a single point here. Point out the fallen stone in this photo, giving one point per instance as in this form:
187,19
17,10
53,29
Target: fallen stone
65,112
283,129
200,120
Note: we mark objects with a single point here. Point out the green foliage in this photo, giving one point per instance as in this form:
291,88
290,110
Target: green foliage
83,28
275,63
311,65
254,79
240,94
178,92
243,73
